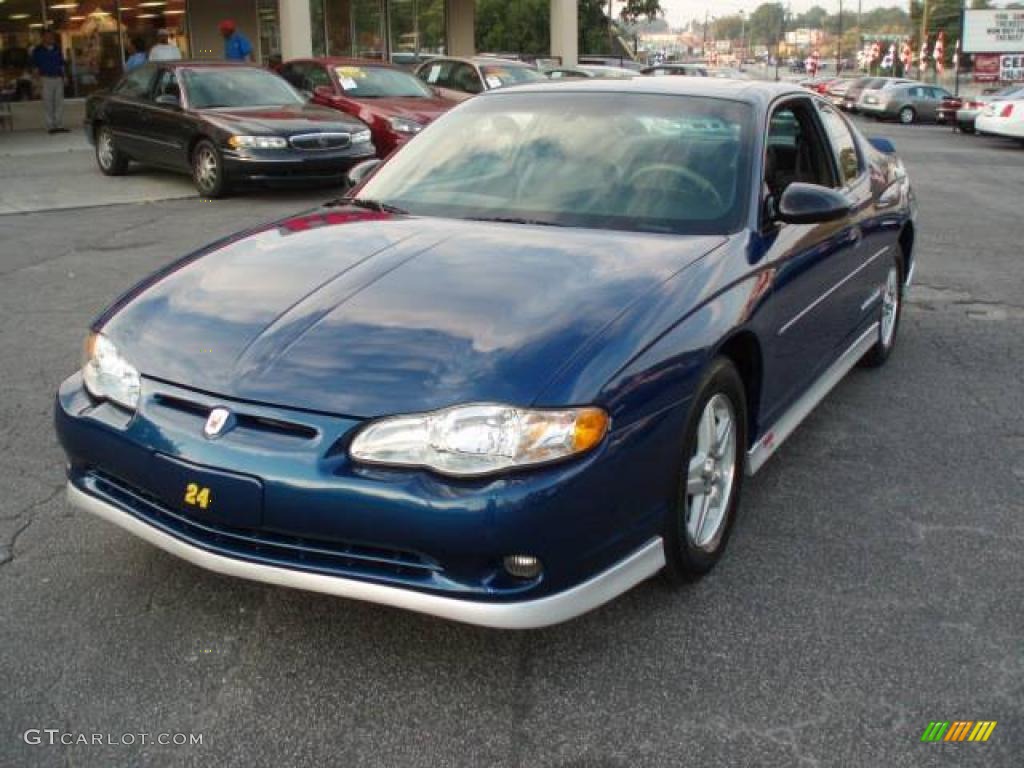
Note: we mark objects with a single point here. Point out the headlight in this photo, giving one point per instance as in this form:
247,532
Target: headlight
107,375
258,142
360,137
402,125
471,440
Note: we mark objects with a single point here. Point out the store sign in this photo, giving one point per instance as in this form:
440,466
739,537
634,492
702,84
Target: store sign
993,31
986,67
1011,68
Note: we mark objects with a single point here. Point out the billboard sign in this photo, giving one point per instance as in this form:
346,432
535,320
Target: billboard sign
986,68
994,31
1011,67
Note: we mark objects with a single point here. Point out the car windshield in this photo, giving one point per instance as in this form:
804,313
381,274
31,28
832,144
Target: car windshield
656,163
498,75
380,82
236,87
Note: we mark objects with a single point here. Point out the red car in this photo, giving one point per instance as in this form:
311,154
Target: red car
395,104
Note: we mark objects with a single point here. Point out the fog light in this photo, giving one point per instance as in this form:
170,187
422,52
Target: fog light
523,566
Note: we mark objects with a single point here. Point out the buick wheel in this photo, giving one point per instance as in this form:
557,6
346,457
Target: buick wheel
710,476
208,170
110,159
907,115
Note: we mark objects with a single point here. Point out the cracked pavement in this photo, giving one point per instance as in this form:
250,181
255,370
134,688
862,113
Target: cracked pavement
874,582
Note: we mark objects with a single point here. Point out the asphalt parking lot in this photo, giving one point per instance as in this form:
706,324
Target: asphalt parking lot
875,581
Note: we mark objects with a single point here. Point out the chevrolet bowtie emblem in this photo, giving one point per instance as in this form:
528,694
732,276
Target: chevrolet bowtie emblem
216,422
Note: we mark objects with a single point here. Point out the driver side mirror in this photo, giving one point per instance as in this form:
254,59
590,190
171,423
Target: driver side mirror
803,203
167,100
359,172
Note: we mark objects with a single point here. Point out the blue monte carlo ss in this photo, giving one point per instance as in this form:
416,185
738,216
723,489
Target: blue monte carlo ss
523,366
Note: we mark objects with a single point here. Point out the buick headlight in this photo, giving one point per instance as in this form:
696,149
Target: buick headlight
107,375
471,440
401,125
360,137
257,142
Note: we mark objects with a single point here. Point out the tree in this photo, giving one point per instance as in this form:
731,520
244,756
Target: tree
633,10
766,24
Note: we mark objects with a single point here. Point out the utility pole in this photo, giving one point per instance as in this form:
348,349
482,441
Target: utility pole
959,50
704,45
782,39
839,41
743,34
924,40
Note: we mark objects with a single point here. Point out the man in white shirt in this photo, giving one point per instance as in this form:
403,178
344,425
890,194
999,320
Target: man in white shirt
164,50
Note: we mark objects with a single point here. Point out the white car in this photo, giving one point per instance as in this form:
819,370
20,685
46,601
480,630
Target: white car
1003,118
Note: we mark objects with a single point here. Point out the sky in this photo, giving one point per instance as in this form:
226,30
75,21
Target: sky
679,12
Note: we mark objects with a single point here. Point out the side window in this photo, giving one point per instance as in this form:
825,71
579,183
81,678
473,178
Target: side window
317,75
844,146
917,92
437,73
464,78
167,85
135,85
938,94
290,72
795,149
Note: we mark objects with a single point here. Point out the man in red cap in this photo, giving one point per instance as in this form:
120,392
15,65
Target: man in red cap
236,46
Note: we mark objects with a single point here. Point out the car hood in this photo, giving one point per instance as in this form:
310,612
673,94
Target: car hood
420,110
284,120
361,314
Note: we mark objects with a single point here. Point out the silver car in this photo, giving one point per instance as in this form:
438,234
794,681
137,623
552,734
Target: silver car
907,102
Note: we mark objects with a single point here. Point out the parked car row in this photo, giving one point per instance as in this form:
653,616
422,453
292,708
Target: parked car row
886,98
964,112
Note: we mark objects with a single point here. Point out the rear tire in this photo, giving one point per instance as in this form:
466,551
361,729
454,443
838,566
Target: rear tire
111,160
208,170
891,309
907,115
699,522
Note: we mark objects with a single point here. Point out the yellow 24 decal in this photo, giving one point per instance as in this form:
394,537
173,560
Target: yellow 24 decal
196,496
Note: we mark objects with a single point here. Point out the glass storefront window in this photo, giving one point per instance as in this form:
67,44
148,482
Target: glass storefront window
356,28
21,22
97,36
417,30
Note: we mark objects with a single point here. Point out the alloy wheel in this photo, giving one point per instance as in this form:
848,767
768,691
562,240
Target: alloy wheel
105,149
890,306
207,168
711,473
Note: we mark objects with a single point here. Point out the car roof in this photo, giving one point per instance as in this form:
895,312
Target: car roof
760,93
479,60
205,64
346,61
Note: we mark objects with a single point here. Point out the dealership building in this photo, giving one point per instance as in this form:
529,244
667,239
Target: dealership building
95,33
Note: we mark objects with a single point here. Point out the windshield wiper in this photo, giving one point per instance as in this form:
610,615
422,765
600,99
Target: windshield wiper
516,220
372,205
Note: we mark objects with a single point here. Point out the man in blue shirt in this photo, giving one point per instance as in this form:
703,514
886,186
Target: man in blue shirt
137,54
236,46
48,61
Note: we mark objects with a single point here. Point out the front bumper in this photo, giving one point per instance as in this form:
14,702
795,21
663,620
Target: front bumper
290,165
525,614
403,538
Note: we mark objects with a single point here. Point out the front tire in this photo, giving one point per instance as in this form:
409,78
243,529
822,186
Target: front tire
889,320
907,115
698,525
208,170
111,160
